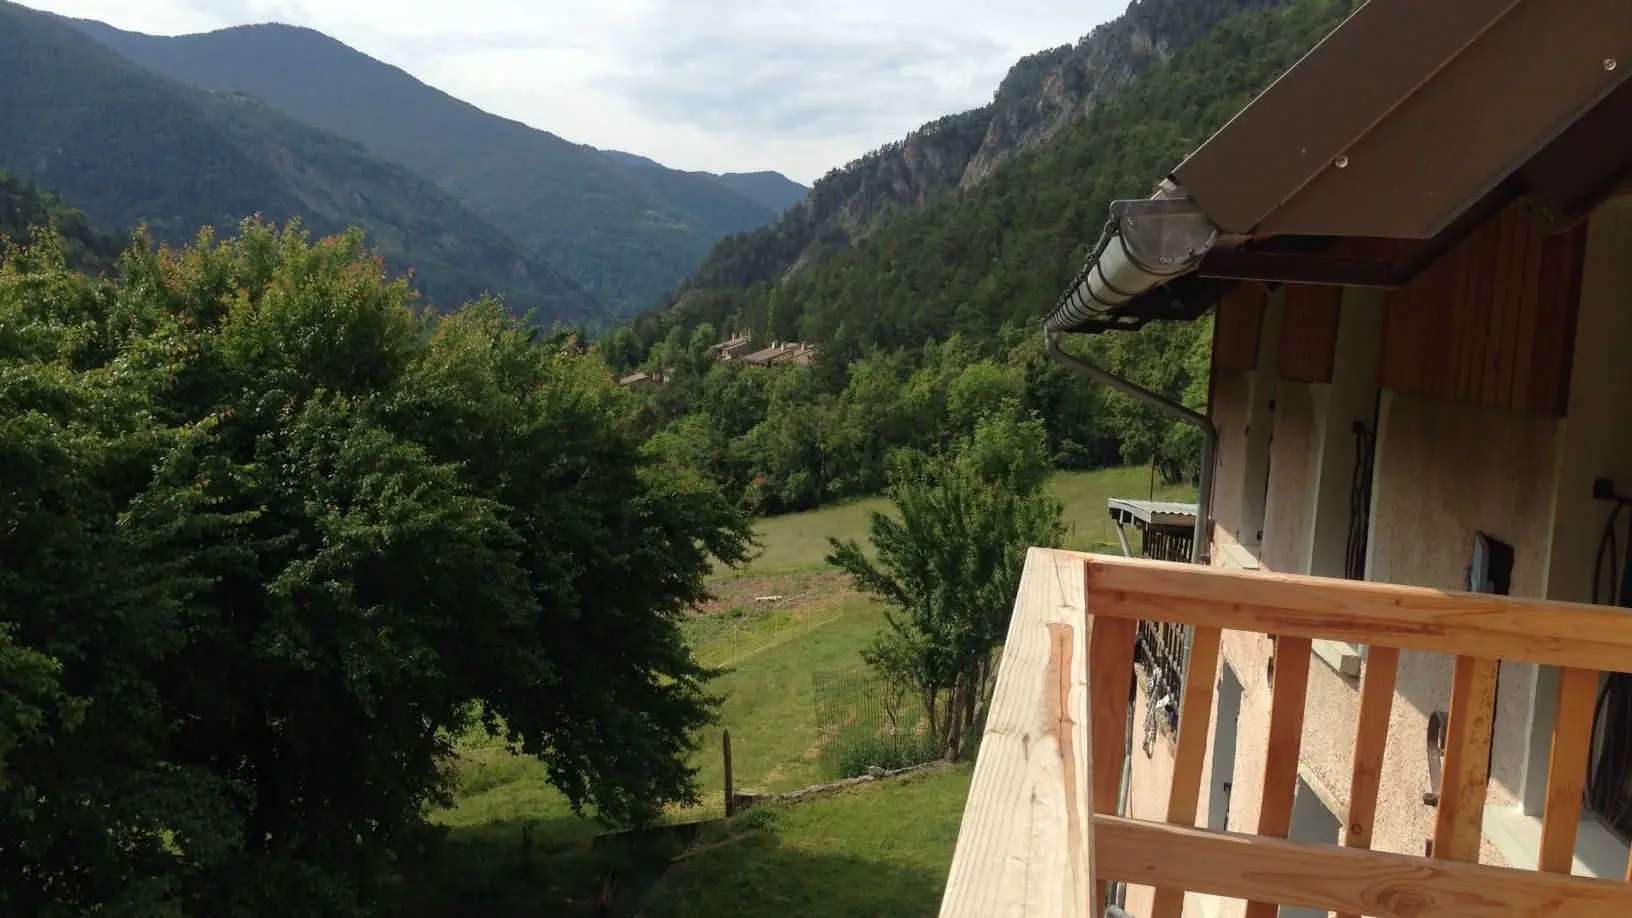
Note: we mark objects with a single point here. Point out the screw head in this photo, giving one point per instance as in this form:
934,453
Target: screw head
1609,63
1342,161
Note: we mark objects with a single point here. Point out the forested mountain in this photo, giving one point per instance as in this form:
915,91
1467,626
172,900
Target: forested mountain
25,209
933,322
626,232
130,146
1040,95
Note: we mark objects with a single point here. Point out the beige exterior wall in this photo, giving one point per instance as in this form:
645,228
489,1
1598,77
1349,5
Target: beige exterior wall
1598,431
1294,477
1442,472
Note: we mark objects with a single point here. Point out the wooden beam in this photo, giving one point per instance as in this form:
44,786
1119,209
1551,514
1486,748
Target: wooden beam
1025,848
1349,880
1370,741
1567,768
1458,824
1288,695
1409,618
1195,717
1110,680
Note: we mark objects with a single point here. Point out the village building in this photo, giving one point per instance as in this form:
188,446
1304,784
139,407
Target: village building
1416,250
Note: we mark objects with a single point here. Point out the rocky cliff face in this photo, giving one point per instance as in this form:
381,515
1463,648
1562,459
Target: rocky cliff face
1040,95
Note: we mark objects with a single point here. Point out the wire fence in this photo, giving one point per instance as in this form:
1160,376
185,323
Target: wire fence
865,721
728,638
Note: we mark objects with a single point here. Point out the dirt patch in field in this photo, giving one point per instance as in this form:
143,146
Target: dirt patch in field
784,591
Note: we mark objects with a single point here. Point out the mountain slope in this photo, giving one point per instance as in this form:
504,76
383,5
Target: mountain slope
1041,95
130,146
625,232
773,189
24,208
1000,253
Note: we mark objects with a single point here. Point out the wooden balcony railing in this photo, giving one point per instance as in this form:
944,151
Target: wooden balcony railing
1040,836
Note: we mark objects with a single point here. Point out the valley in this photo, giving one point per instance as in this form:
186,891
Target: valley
403,500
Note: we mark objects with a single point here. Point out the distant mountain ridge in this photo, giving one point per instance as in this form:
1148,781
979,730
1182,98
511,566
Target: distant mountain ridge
129,146
772,189
1041,94
626,233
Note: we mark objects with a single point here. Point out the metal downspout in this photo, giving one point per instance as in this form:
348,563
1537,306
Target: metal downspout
1209,434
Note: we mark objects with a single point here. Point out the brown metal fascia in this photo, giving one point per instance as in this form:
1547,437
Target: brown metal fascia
1383,53
1522,83
1587,163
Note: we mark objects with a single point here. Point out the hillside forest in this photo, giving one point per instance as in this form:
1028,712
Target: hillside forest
933,322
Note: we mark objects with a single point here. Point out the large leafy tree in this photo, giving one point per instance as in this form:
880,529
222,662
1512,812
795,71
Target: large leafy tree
272,538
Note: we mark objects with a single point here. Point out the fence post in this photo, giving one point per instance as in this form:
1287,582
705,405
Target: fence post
725,748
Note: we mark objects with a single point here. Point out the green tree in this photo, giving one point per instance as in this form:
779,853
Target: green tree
273,538
948,563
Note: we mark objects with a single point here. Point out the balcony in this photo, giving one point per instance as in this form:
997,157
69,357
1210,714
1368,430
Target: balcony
1040,838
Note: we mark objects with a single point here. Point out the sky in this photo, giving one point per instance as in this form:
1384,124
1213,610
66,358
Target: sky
798,86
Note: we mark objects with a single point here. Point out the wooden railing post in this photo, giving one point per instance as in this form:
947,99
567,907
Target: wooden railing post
1289,688
1461,816
1110,680
1195,716
1567,768
1370,739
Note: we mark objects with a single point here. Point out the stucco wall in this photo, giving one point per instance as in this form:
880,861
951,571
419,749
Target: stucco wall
1150,779
1598,431
1294,470
1445,472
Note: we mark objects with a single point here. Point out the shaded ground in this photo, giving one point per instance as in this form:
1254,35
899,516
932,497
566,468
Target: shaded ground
879,850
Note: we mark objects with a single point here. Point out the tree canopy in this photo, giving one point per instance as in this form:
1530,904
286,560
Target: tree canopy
949,564
274,538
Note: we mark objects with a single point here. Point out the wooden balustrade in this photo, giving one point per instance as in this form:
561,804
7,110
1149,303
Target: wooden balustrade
1027,846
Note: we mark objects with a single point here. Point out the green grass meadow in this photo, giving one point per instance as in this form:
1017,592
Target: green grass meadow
881,849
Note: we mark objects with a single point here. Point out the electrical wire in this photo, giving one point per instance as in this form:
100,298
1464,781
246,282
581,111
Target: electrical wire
1365,445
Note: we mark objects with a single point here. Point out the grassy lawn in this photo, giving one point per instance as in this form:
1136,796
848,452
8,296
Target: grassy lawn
1083,494
516,849
798,541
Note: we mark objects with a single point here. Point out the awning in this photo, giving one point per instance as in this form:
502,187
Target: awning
1399,133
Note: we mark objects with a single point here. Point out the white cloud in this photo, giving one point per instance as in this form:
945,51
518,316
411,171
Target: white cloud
723,85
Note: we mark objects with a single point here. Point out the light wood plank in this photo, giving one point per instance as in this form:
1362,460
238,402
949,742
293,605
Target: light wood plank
1335,878
1110,676
1195,716
1289,691
1370,740
1567,768
1458,824
1110,679
1410,618
1025,847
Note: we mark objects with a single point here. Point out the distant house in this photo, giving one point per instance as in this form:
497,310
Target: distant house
731,348
797,353
642,381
